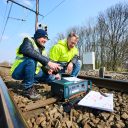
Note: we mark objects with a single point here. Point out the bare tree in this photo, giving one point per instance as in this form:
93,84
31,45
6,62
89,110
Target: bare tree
108,38
117,22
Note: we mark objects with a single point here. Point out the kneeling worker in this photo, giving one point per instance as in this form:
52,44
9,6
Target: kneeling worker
66,54
30,58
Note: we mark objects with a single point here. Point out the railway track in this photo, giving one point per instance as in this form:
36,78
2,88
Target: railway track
19,112
118,85
10,116
5,66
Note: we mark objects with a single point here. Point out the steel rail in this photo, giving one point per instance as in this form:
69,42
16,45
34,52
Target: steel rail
9,114
5,66
118,85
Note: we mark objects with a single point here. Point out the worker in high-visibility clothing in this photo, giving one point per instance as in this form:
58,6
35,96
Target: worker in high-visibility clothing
32,65
66,53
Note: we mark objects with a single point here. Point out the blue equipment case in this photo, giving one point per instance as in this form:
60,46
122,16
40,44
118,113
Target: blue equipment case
65,89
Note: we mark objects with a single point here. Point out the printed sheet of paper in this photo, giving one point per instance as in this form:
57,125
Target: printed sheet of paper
75,79
96,100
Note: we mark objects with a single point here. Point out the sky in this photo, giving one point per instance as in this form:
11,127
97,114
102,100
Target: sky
59,16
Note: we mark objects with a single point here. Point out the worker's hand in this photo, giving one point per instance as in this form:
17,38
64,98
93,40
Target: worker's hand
50,71
69,67
54,66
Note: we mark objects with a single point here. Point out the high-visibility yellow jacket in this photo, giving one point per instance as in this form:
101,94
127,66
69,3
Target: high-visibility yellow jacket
60,52
20,57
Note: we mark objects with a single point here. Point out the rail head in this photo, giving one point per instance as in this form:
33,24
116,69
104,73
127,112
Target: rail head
11,116
118,85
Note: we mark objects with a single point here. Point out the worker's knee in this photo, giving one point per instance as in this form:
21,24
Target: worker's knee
78,63
31,61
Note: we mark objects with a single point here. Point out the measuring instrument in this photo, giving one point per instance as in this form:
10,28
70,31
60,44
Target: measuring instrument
68,89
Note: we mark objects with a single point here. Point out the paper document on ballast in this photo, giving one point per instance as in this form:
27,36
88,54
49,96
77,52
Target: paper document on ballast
75,79
97,100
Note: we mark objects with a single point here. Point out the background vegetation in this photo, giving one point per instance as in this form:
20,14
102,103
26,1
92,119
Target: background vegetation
107,37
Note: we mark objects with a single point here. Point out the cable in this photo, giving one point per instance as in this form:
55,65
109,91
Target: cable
16,19
54,8
25,7
6,22
5,12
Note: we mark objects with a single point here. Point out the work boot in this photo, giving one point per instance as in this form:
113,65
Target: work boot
31,93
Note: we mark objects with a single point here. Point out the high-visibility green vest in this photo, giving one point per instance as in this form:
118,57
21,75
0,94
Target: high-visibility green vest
20,58
60,52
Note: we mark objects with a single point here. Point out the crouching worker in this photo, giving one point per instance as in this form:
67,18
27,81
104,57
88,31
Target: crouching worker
30,58
66,54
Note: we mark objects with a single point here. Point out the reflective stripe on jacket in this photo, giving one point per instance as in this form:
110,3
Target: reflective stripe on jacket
20,58
60,52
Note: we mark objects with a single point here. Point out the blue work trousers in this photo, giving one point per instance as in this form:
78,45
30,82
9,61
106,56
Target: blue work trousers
26,72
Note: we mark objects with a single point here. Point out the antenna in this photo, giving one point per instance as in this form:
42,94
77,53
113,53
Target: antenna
42,26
